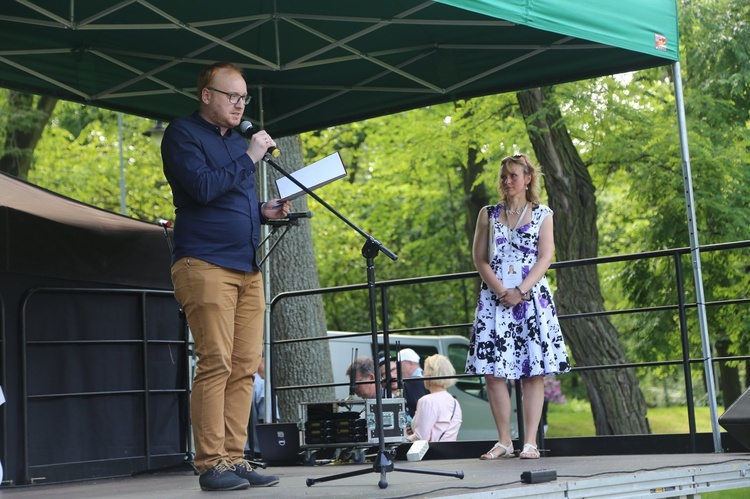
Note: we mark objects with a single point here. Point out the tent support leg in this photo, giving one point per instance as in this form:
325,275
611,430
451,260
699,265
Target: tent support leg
695,255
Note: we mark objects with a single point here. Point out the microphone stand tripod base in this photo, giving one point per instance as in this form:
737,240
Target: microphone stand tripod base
383,465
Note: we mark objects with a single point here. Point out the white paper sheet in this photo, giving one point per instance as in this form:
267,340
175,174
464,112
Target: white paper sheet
312,176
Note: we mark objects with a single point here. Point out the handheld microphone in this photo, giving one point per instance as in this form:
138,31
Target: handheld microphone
246,129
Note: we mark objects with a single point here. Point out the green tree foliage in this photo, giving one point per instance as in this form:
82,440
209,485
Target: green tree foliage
627,133
717,55
716,47
22,121
410,179
80,158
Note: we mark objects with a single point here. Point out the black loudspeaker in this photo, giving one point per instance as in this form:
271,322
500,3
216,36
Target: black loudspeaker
736,419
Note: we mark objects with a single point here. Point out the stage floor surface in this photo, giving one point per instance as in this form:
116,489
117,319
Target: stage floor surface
653,475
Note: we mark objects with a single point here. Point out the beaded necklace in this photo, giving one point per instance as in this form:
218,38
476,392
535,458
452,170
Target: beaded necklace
513,230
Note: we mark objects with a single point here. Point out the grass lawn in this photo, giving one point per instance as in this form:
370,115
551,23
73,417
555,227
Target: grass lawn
574,419
727,494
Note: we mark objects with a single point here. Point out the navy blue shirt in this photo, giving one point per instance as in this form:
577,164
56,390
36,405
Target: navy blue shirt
217,213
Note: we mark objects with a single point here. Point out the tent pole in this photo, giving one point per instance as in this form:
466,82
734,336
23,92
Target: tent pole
695,255
123,206
263,170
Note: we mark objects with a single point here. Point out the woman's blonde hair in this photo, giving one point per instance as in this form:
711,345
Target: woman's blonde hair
534,188
439,365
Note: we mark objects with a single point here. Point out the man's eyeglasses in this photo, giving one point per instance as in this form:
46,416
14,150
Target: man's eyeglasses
234,98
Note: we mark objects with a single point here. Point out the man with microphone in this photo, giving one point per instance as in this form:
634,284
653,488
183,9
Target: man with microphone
215,272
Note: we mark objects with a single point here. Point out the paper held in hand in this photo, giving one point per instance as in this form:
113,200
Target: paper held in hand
511,274
312,176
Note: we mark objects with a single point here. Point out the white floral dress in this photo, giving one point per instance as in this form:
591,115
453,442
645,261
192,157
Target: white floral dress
524,340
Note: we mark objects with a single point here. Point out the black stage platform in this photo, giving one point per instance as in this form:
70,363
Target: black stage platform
651,475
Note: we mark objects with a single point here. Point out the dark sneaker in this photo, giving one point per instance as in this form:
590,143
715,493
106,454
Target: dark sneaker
222,477
244,470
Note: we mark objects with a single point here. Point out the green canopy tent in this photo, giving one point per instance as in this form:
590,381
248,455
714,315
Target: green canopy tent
316,64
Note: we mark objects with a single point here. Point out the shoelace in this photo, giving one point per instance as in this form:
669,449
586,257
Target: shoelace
224,466
245,464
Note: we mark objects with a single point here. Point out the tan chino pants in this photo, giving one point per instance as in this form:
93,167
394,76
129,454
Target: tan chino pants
225,311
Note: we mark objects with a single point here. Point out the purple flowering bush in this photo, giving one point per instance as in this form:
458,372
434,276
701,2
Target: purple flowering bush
552,391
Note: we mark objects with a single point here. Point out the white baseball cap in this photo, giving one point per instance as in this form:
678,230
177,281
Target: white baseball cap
409,355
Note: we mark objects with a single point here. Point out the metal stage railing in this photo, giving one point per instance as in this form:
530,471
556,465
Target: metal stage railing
681,306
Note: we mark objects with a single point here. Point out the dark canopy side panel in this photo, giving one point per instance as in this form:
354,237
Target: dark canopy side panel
94,357
47,235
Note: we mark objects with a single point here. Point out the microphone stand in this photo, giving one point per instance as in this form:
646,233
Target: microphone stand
276,224
372,247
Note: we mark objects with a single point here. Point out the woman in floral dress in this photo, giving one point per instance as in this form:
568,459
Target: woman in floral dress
516,334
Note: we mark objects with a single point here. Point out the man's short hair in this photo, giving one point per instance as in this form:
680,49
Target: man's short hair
364,367
207,74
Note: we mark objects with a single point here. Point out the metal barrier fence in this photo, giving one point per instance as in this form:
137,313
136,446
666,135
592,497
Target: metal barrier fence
680,305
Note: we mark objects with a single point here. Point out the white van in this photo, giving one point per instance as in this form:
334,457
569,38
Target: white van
470,392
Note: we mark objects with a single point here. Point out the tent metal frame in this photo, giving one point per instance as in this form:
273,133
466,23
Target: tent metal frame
250,24
696,258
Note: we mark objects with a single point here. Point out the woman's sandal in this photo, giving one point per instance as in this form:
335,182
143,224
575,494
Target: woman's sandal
529,452
507,451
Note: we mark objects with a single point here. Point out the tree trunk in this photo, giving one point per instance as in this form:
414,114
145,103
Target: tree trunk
475,193
25,128
476,197
617,403
293,267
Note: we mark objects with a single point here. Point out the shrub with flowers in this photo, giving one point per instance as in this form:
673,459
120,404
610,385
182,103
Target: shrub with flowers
552,391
